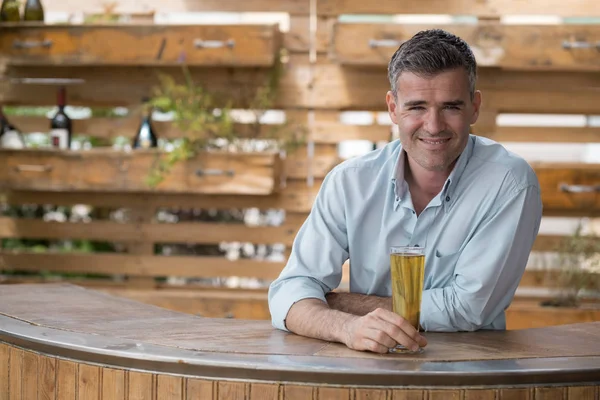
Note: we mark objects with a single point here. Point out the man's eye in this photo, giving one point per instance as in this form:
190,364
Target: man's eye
452,107
416,108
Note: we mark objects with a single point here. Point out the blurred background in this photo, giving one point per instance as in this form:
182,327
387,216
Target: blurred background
170,152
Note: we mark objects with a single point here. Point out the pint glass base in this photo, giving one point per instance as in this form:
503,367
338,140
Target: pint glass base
400,349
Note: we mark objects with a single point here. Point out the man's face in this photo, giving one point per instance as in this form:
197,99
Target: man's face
433,115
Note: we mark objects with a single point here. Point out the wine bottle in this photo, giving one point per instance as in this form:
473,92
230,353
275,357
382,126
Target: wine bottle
34,11
9,12
10,137
145,137
60,125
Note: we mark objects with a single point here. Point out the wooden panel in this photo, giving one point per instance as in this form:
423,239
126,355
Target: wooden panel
209,45
580,8
231,391
15,380
540,134
4,368
193,232
293,392
132,6
260,391
140,265
582,393
198,389
141,386
297,197
549,393
371,394
109,170
472,394
524,316
444,395
298,39
66,380
113,384
409,395
516,394
333,394
47,378
89,383
169,387
30,375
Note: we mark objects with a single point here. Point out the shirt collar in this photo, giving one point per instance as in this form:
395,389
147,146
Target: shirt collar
401,186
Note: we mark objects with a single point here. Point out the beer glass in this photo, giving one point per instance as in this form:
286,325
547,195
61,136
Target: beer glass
407,266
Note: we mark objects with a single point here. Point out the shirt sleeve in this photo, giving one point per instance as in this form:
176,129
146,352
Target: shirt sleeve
320,248
488,269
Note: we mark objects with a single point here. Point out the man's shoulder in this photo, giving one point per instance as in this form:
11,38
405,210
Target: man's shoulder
491,158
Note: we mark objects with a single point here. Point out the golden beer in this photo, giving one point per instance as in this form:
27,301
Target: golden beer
407,266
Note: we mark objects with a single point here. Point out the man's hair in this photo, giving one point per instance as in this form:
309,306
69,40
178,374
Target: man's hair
430,52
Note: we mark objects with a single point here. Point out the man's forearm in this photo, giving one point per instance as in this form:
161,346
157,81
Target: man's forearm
313,318
356,303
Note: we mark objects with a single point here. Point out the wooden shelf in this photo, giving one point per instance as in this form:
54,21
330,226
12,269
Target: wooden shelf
141,45
106,170
523,47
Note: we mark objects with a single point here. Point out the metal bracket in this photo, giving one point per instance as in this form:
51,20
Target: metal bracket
30,44
579,188
213,44
215,172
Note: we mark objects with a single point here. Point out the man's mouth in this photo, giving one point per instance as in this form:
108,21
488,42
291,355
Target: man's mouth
435,141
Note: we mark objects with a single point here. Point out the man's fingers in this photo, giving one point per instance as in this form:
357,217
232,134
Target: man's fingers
400,329
372,345
381,337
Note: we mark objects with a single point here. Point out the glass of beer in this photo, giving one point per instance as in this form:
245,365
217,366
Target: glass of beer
407,266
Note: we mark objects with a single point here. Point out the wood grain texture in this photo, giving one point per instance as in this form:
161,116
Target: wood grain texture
582,392
516,394
4,371
66,380
232,390
113,384
333,394
473,394
549,393
47,378
89,382
84,45
296,392
30,375
140,386
169,387
372,394
15,380
199,389
111,171
444,395
413,394
259,391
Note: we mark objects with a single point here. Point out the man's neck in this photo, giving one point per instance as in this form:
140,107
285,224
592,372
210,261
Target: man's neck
428,183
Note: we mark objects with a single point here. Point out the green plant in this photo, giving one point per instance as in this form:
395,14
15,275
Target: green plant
579,268
207,124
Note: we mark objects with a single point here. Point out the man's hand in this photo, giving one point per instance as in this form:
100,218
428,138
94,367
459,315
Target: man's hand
381,330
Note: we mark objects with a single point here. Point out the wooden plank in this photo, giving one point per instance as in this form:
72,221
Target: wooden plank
370,394
231,390
66,380
140,265
140,386
298,39
516,394
525,316
582,392
169,387
335,132
549,393
444,395
15,380
404,394
293,392
325,393
113,384
578,8
47,378
133,6
297,197
473,394
30,375
103,169
541,134
4,371
89,382
259,391
199,389
136,44
182,232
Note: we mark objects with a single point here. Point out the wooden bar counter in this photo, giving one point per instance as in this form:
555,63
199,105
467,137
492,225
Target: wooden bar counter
60,341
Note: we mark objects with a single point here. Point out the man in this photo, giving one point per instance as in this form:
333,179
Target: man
473,206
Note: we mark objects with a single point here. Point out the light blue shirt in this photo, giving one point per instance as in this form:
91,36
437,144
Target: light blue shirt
477,233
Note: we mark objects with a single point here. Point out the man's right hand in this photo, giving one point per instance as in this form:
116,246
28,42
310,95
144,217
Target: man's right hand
381,330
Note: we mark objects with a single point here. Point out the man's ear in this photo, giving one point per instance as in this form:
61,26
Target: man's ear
476,106
391,104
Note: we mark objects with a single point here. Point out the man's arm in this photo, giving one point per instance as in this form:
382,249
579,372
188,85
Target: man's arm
356,303
488,269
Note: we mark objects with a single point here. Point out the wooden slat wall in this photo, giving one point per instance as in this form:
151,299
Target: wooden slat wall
346,75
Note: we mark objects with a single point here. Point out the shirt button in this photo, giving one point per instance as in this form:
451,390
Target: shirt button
416,245
414,212
447,198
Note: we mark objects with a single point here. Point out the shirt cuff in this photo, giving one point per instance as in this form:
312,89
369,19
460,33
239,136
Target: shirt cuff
283,295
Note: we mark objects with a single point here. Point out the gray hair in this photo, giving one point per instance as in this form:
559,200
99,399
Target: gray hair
430,52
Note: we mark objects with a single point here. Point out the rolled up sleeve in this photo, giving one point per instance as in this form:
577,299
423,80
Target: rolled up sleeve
320,248
488,269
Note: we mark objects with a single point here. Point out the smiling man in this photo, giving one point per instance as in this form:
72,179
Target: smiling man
474,206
